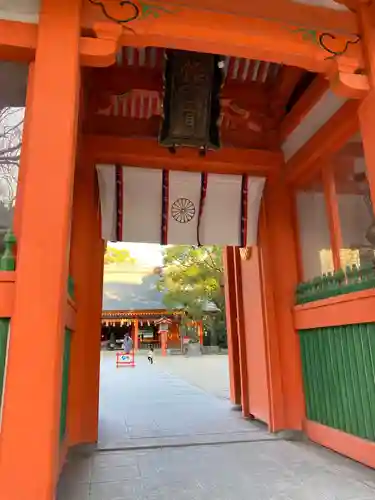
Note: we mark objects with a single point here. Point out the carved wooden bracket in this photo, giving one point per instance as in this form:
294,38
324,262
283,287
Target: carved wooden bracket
348,82
101,51
350,85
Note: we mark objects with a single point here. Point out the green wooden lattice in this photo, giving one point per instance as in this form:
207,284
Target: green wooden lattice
4,331
65,384
353,279
339,377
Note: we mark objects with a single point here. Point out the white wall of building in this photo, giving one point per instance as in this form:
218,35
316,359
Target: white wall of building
314,232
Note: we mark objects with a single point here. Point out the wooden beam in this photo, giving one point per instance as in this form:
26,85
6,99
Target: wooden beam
248,36
285,11
147,153
352,150
333,215
17,41
307,101
332,136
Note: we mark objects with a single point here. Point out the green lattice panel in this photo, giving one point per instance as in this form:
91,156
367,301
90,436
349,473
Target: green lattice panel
4,330
339,377
65,384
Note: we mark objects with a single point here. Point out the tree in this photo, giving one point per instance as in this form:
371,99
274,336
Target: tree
11,128
117,256
191,279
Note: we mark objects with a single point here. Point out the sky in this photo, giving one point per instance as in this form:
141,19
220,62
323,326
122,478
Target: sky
144,253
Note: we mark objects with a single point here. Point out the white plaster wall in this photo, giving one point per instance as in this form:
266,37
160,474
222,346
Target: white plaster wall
354,218
26,11
319,114
13,84
329,4
314,232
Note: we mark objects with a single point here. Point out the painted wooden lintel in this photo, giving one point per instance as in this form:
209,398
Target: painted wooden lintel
18,42
7,291
249,37
349,309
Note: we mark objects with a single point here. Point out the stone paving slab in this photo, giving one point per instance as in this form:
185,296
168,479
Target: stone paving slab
210,374
260,471
139,405
148,405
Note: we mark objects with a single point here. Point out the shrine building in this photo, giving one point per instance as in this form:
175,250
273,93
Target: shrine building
249,125
133,305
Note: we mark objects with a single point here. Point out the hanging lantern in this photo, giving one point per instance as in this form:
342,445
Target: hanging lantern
164,324
191,104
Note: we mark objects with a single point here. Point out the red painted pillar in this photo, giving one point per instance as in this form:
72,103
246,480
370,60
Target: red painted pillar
163,338
86,260
200,331
136,334
32,396
232,327
245,402
279,272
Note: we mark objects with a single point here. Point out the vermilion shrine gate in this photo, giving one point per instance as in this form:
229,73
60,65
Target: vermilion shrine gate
294,113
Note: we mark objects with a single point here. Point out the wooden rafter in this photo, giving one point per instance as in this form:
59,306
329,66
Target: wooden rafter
283,88
307,101
118,126
328,140
120,80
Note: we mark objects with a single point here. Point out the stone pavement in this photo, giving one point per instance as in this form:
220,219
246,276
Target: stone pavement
162,438
210,373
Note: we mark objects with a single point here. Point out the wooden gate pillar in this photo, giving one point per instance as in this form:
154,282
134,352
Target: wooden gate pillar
277,243
32,395
163,341
366,114
86,262
136,334
232,327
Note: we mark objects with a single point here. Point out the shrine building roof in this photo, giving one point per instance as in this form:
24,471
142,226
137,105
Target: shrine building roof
131,288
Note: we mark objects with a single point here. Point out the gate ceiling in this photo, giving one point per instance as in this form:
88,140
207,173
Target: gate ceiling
125,99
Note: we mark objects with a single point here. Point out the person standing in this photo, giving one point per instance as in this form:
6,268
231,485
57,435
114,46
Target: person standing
127,344
150,355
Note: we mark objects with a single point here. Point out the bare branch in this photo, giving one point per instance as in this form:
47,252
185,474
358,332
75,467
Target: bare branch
11,127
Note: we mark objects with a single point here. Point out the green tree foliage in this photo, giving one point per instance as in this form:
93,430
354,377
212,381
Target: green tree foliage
117,256
192,279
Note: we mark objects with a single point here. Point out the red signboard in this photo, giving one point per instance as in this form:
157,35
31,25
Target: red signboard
125,359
